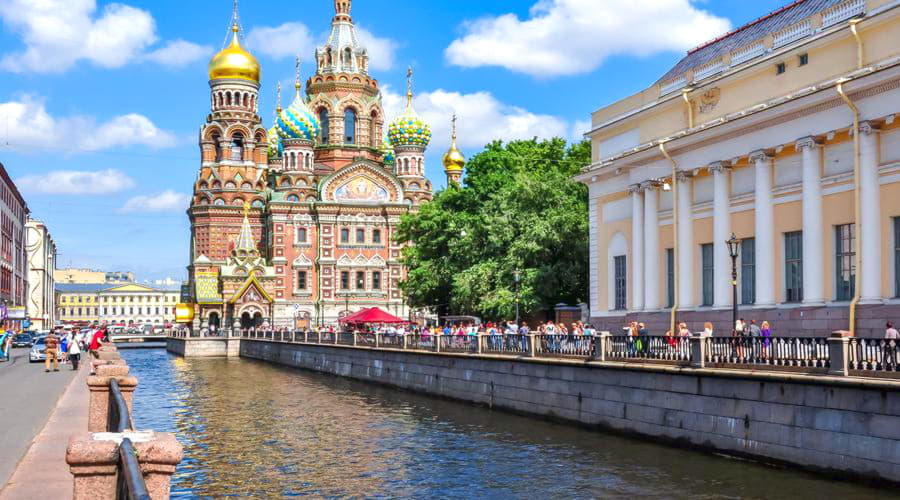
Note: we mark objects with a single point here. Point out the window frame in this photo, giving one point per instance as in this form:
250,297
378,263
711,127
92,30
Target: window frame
748,271
708,276
345,235
360,235
620,282
302,277
844,290
793,267
670,277
360,281
345,280
376,280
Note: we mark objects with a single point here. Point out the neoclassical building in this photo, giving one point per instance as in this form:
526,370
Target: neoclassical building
781,132
294,225
40,250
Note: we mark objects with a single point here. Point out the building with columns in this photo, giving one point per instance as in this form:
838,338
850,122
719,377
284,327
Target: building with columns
294,225
40,250
781,132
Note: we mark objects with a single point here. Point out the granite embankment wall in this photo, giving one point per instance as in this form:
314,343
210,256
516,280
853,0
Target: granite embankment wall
215,347
842,425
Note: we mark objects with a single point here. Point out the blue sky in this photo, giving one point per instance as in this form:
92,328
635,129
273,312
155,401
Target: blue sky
100,102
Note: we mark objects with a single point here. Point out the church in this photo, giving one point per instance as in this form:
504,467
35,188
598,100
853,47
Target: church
293,225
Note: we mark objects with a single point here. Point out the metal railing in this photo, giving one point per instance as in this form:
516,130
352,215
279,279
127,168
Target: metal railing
130,480
805,352
809,354
565,345
624,347
874,355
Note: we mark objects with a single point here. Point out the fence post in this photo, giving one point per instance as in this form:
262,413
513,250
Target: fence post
839,353
533,339
98,387
479,341
354,338
403,341
601,346
699,345
437,342
377,340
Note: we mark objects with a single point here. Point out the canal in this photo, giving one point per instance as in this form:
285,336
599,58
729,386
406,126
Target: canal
254,429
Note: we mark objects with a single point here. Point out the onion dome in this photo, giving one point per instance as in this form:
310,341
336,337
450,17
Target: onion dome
275,146
409,129
233,62
297,121
453,160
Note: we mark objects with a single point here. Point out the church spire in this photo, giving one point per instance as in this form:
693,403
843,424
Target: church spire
278,99
245,246
453,160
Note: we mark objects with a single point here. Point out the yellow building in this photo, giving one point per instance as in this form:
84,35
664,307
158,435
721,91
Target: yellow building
781,132
90,276
125,304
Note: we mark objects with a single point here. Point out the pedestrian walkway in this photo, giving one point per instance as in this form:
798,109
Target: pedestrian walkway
43,473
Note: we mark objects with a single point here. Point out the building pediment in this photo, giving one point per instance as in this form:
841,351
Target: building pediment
362,182
251,291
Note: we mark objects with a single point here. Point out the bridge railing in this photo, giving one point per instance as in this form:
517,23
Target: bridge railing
832,355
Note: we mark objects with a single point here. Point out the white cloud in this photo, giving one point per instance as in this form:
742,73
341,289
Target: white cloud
179,53
579,128
568,37
286,40
27,124
292,38
75,182
167,201
59,33
482,118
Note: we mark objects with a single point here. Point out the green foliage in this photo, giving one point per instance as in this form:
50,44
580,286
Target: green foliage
518,209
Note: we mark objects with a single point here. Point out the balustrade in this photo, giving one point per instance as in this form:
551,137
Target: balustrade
873,355
623,347
807,352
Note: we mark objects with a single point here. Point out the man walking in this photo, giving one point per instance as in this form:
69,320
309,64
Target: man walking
51,351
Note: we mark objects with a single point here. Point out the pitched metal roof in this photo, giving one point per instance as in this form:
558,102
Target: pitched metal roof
81,287
751,32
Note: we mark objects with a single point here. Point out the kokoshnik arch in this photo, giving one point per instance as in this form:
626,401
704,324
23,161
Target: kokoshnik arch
293,225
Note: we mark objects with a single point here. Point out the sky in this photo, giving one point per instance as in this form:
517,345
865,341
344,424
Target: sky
101,102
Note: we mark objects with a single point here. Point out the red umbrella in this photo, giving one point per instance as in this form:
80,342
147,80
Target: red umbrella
373,315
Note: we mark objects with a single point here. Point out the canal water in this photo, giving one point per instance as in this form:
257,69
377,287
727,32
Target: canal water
254,429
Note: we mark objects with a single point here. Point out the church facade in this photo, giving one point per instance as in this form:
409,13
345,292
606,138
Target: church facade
293,225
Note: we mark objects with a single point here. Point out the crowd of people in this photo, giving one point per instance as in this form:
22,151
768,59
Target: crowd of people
66,346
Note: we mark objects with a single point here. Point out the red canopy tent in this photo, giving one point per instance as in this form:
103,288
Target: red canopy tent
373,315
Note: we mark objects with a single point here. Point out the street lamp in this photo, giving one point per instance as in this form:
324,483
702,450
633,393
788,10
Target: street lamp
733,248
517,275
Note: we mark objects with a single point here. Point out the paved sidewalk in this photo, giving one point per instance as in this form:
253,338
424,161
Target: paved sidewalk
43,473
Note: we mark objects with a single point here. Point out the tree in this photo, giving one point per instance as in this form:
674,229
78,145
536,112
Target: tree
518,209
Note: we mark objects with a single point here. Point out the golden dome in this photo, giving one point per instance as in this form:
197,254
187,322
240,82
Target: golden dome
233,62
454,161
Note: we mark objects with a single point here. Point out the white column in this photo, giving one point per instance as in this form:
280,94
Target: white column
685,241
651,247
637,248
765,230
721,234
869,226
813,237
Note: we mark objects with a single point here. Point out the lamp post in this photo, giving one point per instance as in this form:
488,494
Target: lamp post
517,275
733,248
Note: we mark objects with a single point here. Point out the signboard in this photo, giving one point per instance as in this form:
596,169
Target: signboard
16,312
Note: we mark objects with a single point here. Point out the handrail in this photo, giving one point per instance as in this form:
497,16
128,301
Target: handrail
130,482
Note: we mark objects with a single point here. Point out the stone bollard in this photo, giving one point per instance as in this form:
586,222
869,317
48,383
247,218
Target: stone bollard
377,340
601,346
479,341
93,461
437,342
98,385
839,352
533,339
699,342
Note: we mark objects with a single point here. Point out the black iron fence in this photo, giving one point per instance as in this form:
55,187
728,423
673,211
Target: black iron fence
130,480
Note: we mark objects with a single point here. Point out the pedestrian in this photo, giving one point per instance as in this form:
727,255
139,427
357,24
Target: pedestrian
708,329
766,333
94,346
643,340
51,352
64,347
74,351
891,338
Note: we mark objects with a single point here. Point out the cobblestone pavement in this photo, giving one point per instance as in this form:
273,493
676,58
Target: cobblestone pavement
27,396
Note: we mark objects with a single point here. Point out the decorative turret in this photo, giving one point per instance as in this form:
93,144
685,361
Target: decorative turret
298,128
274,140
234,76
342,53
408,130
454,161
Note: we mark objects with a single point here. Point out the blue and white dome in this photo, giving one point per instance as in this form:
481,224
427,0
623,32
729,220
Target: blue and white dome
409,130
297,121
275,146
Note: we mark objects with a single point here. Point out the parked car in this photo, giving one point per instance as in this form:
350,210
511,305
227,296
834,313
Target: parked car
37,350
23,340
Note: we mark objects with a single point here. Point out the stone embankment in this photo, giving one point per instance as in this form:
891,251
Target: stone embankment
842,425
94,456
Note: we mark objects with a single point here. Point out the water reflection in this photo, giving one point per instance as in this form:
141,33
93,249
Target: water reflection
253,429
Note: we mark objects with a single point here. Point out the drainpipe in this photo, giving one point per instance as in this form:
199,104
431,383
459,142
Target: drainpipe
662,149
856,208
690,109
859,42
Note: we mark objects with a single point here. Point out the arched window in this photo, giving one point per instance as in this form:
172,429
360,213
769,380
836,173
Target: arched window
237,147
323,122
301,235
217,143
246,101
257,204
247,186
348,57
228,98
219,202
349,126
238,202
293,198
230,185
286,183
217,185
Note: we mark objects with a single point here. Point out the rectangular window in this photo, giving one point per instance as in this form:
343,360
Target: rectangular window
301,280
301,235
376,280
345,235
793,266
780,68
804,59
360,280
345,280
896,256
621,284
748,271
706,252
670,277
845,261
360,235
376,236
